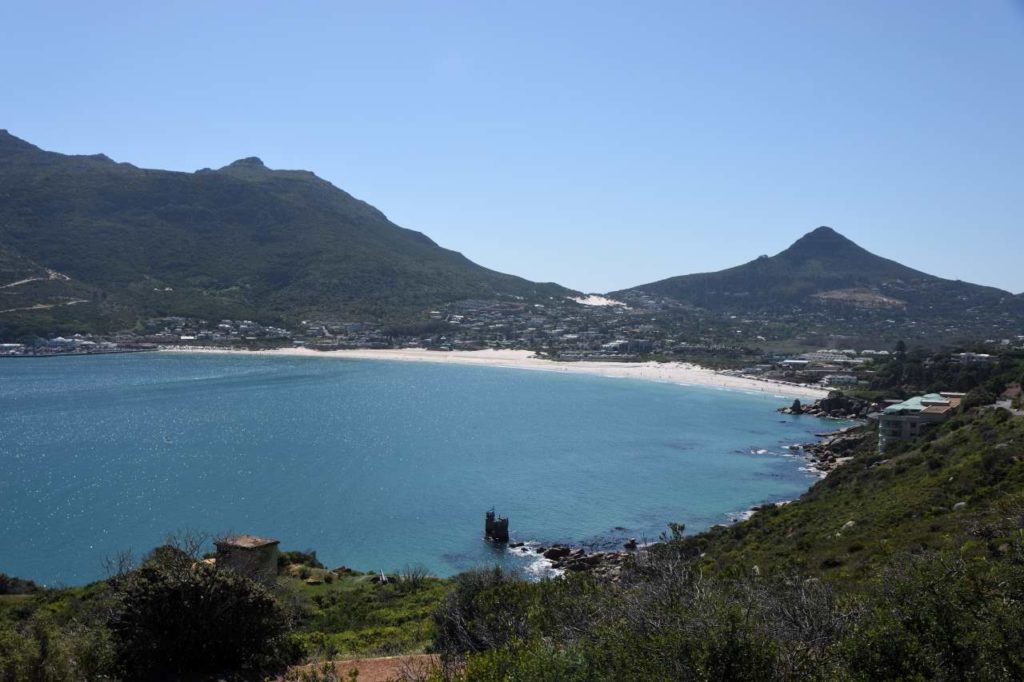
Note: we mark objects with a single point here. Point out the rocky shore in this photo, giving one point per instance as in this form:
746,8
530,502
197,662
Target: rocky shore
604,564
836,406
835,449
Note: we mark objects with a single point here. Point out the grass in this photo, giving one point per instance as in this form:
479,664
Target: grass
355,616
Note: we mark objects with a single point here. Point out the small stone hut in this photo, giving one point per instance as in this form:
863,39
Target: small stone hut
249,555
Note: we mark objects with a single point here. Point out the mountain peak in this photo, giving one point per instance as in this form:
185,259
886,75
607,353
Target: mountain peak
822,235
9,144
250,168
822,241
823,231
248,162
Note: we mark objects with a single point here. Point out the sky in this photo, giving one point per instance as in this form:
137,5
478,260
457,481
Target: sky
598,144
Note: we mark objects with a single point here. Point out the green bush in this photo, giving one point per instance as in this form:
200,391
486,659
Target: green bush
196,620
307,558
42,648
484,610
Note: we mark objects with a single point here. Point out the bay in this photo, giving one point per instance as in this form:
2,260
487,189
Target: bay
374,464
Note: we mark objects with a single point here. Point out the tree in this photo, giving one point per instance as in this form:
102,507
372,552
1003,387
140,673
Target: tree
177,617
486,609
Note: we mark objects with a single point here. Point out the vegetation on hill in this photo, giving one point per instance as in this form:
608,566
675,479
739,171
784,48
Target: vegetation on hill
243,241
957,479
915,372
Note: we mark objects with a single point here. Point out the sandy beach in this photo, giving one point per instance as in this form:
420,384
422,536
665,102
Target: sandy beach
684,374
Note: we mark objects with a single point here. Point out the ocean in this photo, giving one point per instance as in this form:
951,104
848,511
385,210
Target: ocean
374,464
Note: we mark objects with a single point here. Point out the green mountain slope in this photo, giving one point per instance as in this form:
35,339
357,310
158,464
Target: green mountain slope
32,296
959,488
824,269
241,241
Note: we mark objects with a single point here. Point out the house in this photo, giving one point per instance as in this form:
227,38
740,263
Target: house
967,358
909,418
839,380
249,555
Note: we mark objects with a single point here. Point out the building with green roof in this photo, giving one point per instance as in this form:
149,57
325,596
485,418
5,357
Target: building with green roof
912,416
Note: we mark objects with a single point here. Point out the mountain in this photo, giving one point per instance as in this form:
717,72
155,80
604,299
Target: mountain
240,241
32,296
823,272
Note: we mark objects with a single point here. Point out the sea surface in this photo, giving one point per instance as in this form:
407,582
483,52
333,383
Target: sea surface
374,464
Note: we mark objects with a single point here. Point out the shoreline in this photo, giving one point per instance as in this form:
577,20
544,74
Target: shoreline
679,373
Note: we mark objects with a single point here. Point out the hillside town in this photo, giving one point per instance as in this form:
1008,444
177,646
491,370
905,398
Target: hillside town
593,328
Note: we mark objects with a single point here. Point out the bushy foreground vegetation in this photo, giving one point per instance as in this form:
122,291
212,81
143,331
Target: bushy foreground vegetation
177,617
929,616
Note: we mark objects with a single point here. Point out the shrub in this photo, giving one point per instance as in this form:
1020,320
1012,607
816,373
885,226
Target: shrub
179,621
485,610
413,577
11,585
44,649
307,558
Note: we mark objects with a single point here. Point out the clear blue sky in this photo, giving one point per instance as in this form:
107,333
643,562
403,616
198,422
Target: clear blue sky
597,144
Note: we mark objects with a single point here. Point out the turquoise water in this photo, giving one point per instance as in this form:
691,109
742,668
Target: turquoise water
374,464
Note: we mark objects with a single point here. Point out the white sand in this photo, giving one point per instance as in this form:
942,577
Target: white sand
665,372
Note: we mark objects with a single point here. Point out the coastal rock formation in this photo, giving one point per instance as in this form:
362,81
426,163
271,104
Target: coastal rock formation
836,406
835,448
601,564
606,565
557,552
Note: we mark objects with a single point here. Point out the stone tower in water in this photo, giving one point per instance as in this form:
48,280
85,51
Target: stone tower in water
495,527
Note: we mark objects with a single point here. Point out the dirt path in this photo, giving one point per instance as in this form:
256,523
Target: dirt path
386,669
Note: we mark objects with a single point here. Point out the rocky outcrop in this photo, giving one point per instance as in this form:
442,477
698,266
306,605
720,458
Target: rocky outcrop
557,552
836,406
602,564
835,448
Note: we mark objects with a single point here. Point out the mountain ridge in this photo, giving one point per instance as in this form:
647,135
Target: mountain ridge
820,267
240,241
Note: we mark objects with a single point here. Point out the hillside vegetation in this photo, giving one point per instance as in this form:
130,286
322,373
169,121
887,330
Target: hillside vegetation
243,241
